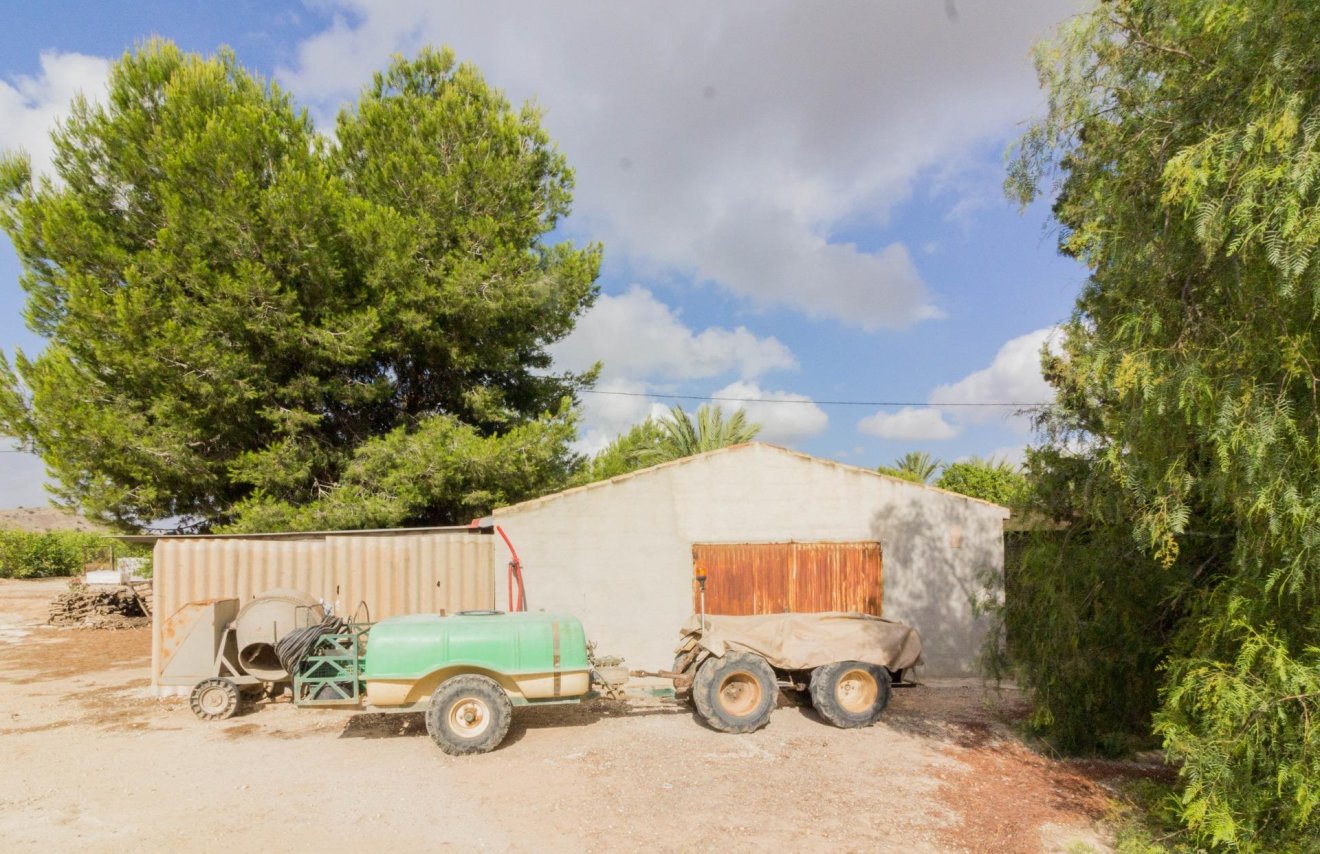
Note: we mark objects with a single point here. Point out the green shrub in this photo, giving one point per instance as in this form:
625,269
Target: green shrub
1088,616
1145,819
903,474
1088,623
27,554
997,481
1240,718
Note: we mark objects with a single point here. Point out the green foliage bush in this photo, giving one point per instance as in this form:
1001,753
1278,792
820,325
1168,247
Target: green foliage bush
1089,614
990,480
676,435
444,471
1182,152
1245,720
627,452
902,474
26,554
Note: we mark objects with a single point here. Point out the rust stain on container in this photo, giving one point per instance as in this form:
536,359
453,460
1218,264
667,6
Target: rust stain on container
391,573
774,578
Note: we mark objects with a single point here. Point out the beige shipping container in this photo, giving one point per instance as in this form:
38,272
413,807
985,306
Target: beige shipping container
385,573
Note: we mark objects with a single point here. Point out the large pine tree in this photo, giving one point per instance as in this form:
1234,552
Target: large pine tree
234,304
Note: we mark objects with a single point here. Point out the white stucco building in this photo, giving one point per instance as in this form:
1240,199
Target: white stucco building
619,553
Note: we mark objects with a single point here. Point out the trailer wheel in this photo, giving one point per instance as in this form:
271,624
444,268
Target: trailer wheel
214,699
468,714
850,694
735,693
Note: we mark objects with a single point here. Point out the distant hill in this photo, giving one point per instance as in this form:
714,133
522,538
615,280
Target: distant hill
42,519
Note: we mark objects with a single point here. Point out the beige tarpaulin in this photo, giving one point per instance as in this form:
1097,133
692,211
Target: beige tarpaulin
804,641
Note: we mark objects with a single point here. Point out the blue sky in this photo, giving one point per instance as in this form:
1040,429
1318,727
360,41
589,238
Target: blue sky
797,201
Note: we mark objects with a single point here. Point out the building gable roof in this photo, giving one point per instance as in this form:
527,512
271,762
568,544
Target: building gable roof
733,449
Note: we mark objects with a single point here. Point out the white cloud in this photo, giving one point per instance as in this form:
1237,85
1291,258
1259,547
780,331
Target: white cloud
635,335
1013,377
781,423
908,424
642,343
970,185
729,141
605,416
31,106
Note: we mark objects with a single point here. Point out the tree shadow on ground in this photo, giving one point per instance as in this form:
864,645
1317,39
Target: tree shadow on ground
965,716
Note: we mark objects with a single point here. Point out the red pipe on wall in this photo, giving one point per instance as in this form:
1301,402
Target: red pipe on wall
515,569
515,573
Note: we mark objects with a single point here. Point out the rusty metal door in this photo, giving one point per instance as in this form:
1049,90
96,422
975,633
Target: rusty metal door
774,578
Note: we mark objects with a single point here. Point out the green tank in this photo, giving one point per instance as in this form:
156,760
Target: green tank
533,656
466,671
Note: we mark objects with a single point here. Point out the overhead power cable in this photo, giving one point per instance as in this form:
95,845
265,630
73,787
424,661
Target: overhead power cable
808,400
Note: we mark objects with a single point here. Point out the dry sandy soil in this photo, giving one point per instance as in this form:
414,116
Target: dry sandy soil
92,761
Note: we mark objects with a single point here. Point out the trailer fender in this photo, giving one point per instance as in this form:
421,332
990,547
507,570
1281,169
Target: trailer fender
410,692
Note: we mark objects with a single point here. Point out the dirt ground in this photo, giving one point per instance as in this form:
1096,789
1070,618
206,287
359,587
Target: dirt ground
93,761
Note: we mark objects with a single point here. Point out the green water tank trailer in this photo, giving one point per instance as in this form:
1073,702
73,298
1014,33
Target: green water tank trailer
465,671
533,657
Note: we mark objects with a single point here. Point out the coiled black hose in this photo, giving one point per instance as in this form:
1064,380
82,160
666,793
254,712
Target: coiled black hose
297,645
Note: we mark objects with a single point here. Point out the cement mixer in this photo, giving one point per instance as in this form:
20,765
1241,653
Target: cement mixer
264,621
221,649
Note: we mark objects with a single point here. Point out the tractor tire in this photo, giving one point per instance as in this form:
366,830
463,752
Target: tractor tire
214,699
736,692
469,714
850,694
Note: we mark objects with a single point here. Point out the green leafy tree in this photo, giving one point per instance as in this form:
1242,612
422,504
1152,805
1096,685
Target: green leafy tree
916,466
1089,614
443,470
1182,150
234,305
658,440
628,452
997,481
683,434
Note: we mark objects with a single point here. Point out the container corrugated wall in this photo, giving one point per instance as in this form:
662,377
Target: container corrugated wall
393,574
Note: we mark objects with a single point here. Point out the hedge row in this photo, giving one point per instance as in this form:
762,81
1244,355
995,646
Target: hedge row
27,554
